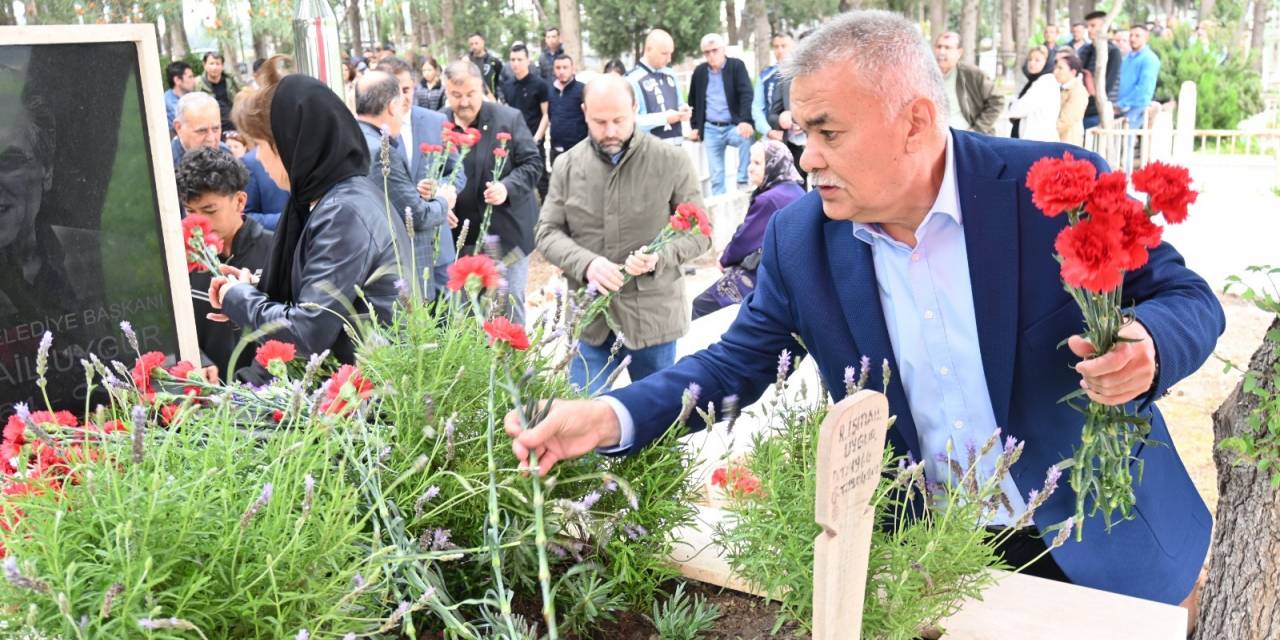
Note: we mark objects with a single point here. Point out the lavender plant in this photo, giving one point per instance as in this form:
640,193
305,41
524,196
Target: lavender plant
920,568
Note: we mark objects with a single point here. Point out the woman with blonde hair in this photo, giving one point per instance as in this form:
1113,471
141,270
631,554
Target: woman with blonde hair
334,234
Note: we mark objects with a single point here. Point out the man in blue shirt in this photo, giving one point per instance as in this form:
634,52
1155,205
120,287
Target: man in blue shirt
720,94
182,80
921,246
1138,78
764,88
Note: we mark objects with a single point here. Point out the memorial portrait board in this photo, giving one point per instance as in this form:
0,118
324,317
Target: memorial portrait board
90,234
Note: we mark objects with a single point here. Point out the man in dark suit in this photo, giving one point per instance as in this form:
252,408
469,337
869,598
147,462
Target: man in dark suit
720,94
380,107
513,195
418,126
922,246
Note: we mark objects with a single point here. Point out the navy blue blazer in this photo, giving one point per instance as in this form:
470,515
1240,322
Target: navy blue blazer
818,282
427,129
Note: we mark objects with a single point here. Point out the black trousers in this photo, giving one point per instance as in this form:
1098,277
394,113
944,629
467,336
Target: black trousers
545,179
1022,546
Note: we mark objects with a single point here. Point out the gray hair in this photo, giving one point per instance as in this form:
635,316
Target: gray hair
193,100
375,91
712,38
883,49
460,70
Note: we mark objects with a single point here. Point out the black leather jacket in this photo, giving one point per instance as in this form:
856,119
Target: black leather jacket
347,243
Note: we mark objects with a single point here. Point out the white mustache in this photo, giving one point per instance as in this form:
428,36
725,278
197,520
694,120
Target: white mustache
821,179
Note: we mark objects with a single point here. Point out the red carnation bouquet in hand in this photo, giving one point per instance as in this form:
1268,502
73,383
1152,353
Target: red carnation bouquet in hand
202,244
1109,234
688,219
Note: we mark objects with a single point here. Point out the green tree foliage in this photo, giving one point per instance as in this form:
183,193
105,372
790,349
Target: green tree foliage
1228,88
615,27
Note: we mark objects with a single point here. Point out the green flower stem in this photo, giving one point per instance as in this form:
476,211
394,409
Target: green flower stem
540,539
498,165
495,555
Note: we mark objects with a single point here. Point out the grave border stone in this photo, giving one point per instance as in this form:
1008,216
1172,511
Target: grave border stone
151,81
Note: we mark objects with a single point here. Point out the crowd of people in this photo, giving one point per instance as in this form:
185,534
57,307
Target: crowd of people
533,97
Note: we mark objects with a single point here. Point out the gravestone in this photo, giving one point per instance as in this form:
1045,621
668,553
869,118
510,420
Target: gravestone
850,446
89,231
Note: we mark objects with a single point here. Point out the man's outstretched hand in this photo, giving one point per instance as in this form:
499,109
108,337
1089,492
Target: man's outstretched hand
1122,374
572,428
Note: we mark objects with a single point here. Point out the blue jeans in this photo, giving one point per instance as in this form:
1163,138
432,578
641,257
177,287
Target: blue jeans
716,138
517,276
592,366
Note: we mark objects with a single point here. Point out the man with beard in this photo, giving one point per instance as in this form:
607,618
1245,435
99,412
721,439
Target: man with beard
608,199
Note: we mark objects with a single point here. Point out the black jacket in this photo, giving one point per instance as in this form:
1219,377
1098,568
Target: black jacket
349,241
1089,58
737,92
778,102
250,249
513,220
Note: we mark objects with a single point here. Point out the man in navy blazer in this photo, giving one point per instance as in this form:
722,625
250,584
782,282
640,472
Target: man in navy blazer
921,245
424,126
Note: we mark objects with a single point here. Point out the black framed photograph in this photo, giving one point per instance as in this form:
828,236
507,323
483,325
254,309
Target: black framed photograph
90,233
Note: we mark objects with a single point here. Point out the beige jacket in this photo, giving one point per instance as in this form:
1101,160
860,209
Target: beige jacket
596,209
1071,114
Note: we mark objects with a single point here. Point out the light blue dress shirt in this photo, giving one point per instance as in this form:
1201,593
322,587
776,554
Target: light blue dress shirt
717,102
927,301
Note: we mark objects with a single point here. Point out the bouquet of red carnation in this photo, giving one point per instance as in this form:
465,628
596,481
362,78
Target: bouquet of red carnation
202,244
499,162
688,218
437,155
1109,234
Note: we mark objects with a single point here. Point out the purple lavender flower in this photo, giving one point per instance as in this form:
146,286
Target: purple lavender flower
402,287
308,492
1064,532
587,501
1010,443
155,624
784,365
610,485
850,382
449,429
127,329
592,290
15,577
42,356
440,540
256,506
1051,479
139,416
22,411
303,634
349,636
635,531
971,449
941,458
865,368
358,582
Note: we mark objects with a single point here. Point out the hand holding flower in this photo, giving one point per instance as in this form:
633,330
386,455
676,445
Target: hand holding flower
218,287
1122,374
641,262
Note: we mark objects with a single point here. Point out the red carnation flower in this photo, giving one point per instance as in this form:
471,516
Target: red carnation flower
473,136
424,148
142,369
747,484
1138,234
274,350
181,371
197,230
718,477
503,136
336,402
499,152
1059,184
277,415
1168,188
480,266
504,330
1110,198
112,426
447,126
679,223
169,413
688,215
1091,256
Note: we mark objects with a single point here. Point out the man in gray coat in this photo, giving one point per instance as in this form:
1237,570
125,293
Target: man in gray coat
380,108
607,200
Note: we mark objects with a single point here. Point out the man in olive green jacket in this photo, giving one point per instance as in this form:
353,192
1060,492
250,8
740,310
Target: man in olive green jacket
223,85
611,195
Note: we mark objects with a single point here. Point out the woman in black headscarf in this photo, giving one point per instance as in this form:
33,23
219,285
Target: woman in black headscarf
1037,65
334,235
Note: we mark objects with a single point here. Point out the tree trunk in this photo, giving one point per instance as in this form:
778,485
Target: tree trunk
1021,32
1051,15
1007,52
570,34
178,45
937,18
1238,602
1076,11
761,22
353,23
448,31
1206,9
731,21
969,31
1259,28
1105,112
261,48
1033,19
